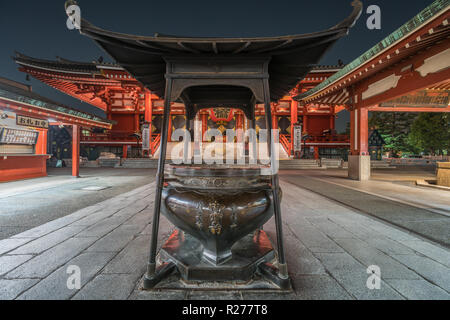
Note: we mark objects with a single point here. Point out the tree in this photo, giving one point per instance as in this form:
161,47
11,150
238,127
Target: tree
431,133
394,127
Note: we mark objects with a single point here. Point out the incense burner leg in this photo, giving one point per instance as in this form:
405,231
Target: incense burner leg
283,272
151,267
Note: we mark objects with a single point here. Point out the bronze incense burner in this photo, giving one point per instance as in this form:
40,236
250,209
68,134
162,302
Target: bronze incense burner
217,205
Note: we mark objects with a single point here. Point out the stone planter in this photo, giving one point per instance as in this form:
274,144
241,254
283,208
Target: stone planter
443,174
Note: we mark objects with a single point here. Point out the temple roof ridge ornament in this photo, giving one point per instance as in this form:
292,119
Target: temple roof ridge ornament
292,56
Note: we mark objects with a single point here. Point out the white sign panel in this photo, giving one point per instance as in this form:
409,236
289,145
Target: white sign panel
146,139
8,119
297,138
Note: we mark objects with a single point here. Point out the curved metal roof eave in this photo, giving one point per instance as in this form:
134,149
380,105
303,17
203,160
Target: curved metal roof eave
87,27
291,51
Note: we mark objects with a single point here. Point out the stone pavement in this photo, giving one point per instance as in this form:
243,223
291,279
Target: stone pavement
26,204
426,212
328,246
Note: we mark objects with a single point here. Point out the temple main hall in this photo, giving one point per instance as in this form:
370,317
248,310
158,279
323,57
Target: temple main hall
131,106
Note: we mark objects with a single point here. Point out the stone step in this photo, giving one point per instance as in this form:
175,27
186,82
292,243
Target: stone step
380,164
110,163
331,163
140,163
299,164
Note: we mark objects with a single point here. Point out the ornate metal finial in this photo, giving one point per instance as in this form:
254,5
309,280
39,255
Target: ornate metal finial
353,17
70,3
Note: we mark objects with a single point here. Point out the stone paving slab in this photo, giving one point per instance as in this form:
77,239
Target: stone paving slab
54,287
108,287
8,263
368,255
430,270
388,246
418,289
328,249
302,261
319,287
11,244
43,264
113,242
10,289
132,259
352,276
50,240
430,250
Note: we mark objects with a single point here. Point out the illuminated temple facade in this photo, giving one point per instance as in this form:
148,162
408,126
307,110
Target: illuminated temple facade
130,106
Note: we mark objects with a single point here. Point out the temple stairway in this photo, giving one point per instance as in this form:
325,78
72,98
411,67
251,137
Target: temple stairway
285,162
171,145
300,164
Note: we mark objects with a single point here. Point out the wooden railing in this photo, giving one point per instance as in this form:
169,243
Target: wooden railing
156,140
285,143
329,138
109,136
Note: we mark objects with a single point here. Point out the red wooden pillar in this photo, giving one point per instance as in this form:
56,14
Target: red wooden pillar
136,120
274,119
305,119
332,118
108,110
148,116
240,125
124,151
359,159
169,135
359,132
294,119
41,144
76,132
204,124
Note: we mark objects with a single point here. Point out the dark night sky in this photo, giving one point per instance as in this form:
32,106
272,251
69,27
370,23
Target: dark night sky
38,28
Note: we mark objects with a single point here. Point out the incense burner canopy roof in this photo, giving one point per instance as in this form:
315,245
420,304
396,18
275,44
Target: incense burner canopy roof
291,56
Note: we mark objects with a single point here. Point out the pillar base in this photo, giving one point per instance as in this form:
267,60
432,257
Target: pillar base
359,167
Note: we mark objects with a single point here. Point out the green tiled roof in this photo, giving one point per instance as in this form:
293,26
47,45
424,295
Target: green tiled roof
426,14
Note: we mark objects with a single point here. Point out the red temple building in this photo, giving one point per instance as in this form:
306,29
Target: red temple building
129,105
25,120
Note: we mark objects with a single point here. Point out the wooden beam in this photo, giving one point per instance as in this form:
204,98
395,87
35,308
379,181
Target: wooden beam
408,109
410,80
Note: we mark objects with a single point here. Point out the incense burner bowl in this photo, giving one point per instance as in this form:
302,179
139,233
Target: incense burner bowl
217,205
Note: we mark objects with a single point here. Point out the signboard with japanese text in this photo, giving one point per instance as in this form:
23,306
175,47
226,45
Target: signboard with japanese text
146,138
16,136
31,122
297,138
